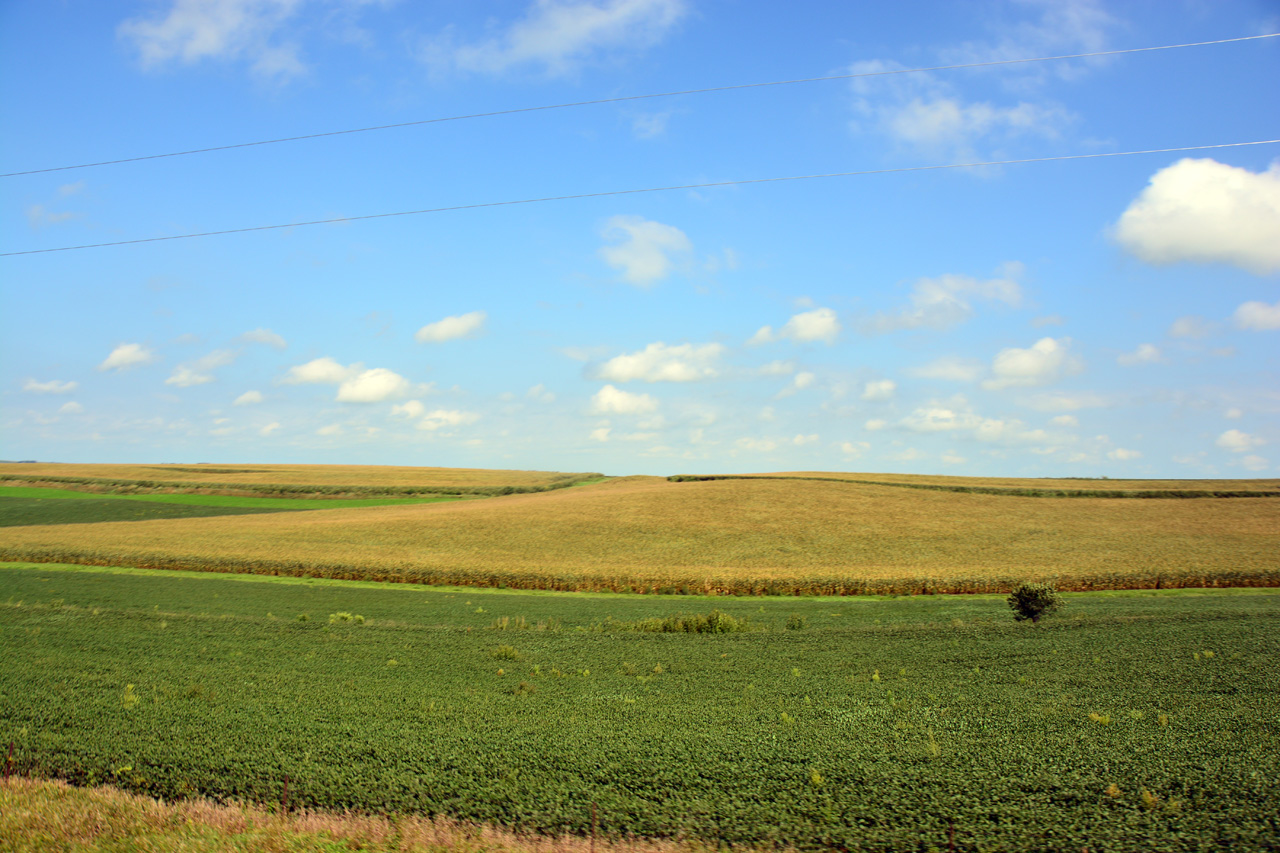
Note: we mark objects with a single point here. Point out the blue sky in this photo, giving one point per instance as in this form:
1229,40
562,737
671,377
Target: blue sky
1105,317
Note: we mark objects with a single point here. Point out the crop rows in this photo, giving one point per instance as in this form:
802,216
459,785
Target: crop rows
1129,722
732,537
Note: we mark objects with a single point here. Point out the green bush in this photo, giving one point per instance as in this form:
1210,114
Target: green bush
1033,600
796,622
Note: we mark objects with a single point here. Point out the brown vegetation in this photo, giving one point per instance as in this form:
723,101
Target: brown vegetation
738,536
40,816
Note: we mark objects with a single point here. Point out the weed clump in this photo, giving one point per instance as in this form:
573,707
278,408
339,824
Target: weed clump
715,622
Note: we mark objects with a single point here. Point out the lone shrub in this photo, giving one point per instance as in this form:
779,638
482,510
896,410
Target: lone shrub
1033,600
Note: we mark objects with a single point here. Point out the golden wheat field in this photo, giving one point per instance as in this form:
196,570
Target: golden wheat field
1051,483
358,477
728,536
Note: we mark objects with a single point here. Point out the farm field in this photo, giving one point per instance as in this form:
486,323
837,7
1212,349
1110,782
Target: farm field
1130,721
20,506
354,480
732,536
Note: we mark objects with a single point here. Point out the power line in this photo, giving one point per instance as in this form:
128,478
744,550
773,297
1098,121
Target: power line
624,98
607,193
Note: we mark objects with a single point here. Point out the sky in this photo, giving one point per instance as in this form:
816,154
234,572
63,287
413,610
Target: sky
1108,316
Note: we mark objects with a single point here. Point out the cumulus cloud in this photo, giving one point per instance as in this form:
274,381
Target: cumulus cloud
854,449
451,328
320,371
559,36
126,356
264,336
372,386
53,386
645,252
331,429
540,394
956,415
442,418
1144,354
408,409
661,363
194,30
1120,454
1041,363
950,457
1067,402
1190,326
950,368
198,372
248,398
600,434
881,389
1255,463
1203,211
610,400
817,325
1238,442
1258,316
269,428
875,424
946,301
1065,421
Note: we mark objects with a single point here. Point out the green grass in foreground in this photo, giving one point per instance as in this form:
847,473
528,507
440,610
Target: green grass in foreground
23,505
1131,721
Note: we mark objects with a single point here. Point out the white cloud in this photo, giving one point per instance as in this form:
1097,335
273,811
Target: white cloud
1238,442
600,434
198,372
613,400
1204,211
248,398
320,371
1233,414
408,409
854,449
950,368
1120,454
929,114
126,356
1144,354
881,389
331,429
451,328
661,363
1259,316
53,386
1190,327
817,325
1063,402
71,407
441,418
1065,421
875,424
802,440
1254,462
372,386
952,458
559,36
540,393
777,368
756,445
194,30
1041,363
264,336
803,380
39,216
647,251
269,428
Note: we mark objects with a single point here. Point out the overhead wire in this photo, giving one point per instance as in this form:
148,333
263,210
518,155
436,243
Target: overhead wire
607,193
624,98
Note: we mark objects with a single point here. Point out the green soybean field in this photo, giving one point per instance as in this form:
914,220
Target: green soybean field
1128,721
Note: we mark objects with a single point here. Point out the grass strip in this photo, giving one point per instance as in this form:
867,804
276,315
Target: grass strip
22,512
1000,490
220,500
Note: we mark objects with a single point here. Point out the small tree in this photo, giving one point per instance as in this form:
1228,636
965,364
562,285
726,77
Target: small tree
1033,600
